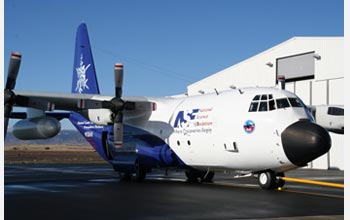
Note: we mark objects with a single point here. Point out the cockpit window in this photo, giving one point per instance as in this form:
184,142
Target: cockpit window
266,102
295,102
263,107
253,106
272,105
282,103
262,103
256,98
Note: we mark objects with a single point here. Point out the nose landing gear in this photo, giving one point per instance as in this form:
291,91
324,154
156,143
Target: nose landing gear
271,180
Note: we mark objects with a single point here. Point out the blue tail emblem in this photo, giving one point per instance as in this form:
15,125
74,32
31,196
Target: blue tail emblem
84,74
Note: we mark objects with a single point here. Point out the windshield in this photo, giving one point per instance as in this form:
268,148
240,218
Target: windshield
266,102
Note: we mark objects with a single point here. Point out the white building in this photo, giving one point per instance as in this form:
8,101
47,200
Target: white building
313,68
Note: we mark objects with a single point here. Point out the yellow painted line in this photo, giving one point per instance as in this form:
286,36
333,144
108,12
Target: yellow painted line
280,189
312,194
337,185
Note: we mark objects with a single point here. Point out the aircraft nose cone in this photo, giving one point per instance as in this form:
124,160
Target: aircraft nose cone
304,141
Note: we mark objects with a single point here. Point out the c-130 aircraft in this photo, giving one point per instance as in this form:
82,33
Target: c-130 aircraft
261,131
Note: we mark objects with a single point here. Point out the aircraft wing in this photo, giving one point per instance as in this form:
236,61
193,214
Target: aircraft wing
50,101
23,115
76,102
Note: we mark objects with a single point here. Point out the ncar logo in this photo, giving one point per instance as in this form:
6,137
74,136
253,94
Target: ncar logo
249,126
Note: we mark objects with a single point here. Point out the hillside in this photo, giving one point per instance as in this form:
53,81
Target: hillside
65,137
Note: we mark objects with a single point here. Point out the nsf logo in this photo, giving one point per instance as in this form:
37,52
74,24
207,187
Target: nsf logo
249,126
184,117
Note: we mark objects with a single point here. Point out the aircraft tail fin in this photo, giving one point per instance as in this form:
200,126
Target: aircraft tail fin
84,74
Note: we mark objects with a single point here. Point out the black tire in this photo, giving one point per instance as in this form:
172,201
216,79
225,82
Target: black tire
124,176
267,180
279,181
140,174
192,176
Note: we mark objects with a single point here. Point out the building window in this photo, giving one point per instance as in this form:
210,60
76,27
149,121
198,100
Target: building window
336,111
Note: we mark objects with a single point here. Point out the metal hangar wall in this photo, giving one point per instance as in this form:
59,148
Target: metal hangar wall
313,68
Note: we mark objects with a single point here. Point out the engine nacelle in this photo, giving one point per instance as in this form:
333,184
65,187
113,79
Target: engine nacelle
36,128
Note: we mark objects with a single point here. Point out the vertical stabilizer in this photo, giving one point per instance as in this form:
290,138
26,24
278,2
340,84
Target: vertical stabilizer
84,74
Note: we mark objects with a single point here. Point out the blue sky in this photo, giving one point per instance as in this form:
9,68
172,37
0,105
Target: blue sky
164,45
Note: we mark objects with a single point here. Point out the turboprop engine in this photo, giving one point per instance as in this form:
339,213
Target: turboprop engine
36,128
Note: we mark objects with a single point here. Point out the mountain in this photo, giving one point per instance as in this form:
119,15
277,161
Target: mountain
65,137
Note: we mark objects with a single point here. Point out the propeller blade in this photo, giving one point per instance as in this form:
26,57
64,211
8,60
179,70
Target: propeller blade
13,69
9,96
6,124
7,113
118,105
118,130
118,79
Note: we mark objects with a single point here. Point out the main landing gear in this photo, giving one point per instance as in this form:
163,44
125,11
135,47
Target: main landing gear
138,176
271,180
195,176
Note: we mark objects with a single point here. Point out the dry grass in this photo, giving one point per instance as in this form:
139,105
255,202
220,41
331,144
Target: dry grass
39,154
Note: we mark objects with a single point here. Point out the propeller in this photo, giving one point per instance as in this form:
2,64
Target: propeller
118,106
9,95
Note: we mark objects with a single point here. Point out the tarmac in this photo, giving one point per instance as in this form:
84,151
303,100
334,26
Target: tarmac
94,191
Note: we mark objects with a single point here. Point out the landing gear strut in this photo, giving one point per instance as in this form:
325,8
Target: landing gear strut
195,176
139,175
271,180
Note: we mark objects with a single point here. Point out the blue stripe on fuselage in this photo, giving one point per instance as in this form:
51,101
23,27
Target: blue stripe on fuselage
138,144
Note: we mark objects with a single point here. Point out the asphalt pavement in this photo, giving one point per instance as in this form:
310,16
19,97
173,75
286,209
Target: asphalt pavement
93,191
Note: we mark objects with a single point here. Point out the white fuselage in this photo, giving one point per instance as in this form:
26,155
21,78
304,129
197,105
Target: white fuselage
208,130
219,132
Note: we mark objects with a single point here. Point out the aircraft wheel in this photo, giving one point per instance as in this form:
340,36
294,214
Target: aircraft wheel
192,176
267,180
207,177
124,176
140,174
280,182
